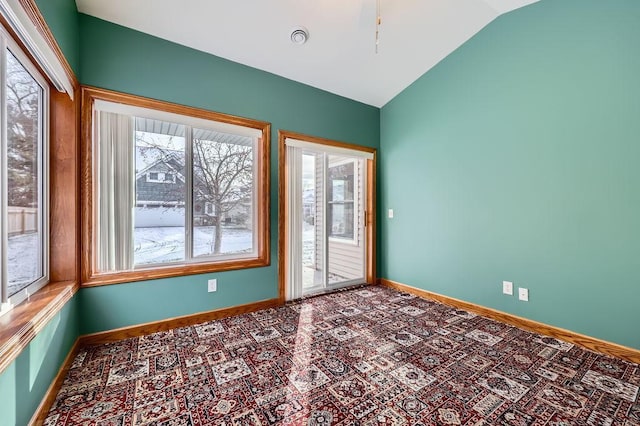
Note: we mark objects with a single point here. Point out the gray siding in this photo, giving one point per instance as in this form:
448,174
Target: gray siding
346,257
168,192
319,218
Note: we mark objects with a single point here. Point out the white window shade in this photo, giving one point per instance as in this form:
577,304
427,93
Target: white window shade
117,192
331,150
36,44
293,288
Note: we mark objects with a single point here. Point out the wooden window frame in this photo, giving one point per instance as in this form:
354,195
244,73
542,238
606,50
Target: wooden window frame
90,276
31,67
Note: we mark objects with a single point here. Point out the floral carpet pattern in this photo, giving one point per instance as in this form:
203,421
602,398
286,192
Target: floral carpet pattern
365,356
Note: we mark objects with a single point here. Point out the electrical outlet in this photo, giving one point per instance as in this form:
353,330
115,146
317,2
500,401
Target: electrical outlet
212,285
523,294
507,287
390,213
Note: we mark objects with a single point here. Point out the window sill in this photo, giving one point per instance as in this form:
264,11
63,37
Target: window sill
20,325
170,271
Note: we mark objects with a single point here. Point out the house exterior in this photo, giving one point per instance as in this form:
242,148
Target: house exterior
160,194
345,228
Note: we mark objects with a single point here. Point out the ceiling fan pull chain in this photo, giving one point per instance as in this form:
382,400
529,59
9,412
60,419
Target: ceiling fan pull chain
378,22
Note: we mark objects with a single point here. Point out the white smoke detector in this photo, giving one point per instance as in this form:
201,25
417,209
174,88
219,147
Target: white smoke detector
299,35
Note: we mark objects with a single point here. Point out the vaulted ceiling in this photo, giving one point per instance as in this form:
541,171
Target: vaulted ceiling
339,56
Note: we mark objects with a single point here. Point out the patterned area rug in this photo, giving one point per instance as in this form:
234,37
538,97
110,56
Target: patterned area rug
367,356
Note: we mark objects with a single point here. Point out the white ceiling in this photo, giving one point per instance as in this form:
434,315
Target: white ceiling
339,56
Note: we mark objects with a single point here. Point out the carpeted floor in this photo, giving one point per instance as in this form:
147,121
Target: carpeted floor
368,356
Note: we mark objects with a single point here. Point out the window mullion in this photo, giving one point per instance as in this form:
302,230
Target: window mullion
188,208
355,193
44,192
257,153
327,223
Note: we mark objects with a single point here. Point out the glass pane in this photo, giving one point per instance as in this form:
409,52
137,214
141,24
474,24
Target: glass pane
159,216
341,189
24,249
312,220
345,212
341,215
222,193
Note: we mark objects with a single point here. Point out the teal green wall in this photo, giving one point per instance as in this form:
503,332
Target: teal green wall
513,159
125,60
24,382
115,306
517,158
62,19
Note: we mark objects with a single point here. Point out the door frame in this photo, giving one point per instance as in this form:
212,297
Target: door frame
283,217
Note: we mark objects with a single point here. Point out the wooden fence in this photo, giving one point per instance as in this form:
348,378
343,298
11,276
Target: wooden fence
22,220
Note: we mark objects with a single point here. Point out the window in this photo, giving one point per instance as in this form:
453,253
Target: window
176,190
23,176
341,195
160,177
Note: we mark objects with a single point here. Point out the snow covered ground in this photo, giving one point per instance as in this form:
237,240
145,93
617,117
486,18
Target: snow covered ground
166,244
308,244
22,267
151,245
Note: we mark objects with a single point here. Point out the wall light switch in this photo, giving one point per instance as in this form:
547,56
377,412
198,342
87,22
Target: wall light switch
523,294
507,287
212,285
390,213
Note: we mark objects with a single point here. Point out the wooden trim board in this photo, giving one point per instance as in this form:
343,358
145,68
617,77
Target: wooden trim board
49,398
38,21
591,343
19,326
177,322
283,200
64,187
371,227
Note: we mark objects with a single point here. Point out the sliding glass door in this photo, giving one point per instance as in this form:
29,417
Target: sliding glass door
326,218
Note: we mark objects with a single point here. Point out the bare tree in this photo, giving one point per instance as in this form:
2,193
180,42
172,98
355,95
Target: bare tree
223,177
23,110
